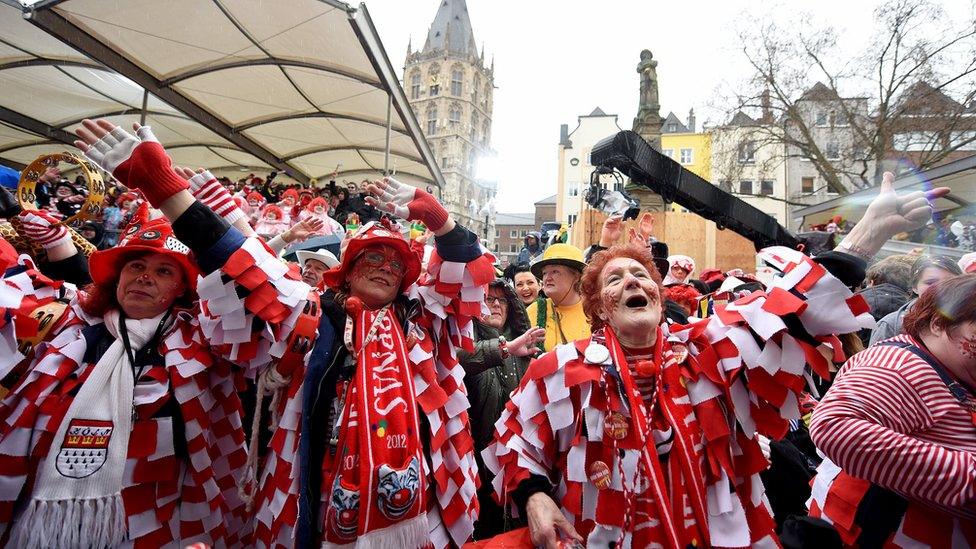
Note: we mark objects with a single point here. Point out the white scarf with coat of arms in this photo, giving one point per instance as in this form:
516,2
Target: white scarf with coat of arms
77,496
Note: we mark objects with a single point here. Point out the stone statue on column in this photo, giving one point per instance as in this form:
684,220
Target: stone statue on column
647,124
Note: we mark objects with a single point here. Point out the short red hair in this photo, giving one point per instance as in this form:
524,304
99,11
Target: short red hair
591,284
946,305
685,295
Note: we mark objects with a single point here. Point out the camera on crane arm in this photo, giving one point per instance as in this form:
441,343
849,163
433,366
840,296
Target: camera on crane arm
610,202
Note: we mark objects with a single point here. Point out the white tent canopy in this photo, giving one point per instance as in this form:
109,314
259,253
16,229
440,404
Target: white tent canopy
300,86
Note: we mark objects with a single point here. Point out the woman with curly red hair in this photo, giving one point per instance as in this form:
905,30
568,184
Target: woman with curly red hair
643,435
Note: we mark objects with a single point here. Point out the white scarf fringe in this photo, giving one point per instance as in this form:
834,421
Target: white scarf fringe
80,523
409,534
67,512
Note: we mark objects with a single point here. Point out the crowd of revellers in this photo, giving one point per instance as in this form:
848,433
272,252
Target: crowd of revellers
176,381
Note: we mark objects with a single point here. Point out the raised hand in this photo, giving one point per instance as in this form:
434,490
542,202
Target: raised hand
137,161
525,344
43,229
304,229
646,226
894,214
423,238
613,228
887,215
409,202
51,175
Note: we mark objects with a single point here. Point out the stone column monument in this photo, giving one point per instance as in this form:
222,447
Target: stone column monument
647,124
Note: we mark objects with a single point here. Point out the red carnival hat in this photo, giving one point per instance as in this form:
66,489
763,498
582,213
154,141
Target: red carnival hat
128,196
271,208
290,193
374,233
318,201
142,235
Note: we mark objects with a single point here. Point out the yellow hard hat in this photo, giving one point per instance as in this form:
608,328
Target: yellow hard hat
559,254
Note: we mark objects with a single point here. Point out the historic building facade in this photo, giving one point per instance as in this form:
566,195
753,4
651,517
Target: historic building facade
450,89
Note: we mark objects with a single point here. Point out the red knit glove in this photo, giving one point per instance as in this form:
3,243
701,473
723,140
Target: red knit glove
215,196
43,229
138,163
407,202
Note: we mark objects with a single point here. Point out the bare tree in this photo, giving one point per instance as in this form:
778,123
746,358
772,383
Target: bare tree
848,114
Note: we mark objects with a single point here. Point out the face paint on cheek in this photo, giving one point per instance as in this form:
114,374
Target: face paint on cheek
968,347
608,299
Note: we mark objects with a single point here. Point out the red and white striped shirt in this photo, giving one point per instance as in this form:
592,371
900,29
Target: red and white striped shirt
890,419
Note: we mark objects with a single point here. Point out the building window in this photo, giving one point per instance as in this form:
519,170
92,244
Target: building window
747,152
686,156
511,248
454,116
457,82
496,247
725,185
915,141
572,188
766,187
477,87
484,132
672,128
513,233
840,118
415,85
806,185
497,233
572,219
474,126
431,120
523,233
963,141
821,119
668,152
745,187
832,151
445,162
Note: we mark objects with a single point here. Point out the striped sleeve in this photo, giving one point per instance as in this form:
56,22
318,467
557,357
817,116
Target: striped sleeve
864,425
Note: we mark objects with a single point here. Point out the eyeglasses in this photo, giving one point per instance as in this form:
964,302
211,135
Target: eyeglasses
492,300
378,259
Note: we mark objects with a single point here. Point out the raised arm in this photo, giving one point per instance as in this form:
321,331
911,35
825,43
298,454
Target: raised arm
249,300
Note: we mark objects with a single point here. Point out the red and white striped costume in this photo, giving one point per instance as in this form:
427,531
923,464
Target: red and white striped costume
889,419
744,370
451,293
182,471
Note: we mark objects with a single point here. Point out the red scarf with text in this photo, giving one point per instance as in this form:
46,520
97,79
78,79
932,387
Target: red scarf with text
377,484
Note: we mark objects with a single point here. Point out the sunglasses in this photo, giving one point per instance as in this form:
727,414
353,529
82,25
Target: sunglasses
378,259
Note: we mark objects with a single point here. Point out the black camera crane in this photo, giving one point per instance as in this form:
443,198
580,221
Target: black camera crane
629,154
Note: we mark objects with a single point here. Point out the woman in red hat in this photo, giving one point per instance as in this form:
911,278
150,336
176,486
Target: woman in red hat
644,434
126,426
387,455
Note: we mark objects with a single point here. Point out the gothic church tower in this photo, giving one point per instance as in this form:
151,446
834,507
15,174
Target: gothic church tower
450,90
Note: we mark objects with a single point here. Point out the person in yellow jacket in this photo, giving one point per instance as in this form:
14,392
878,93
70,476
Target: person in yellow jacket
561,312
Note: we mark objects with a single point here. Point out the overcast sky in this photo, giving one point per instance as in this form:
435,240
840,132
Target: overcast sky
557,60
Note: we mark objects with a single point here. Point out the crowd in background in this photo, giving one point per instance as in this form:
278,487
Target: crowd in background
402,389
